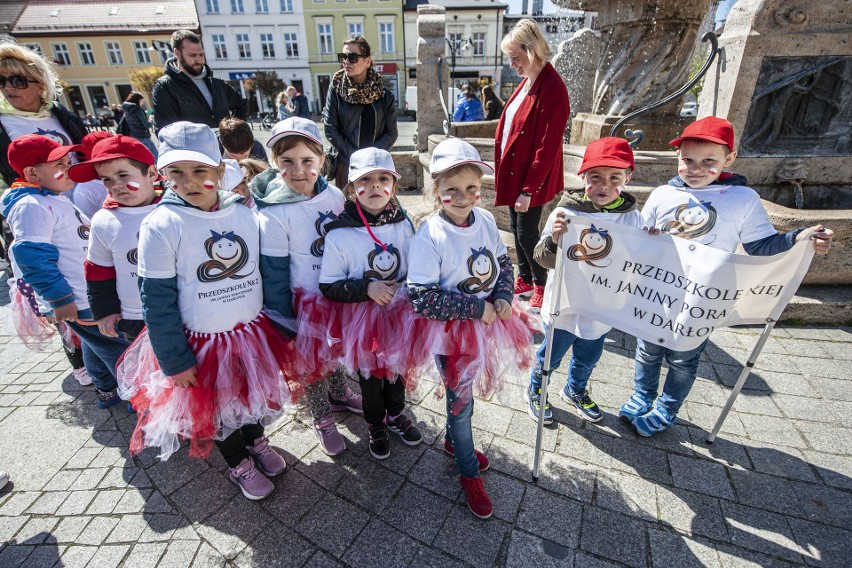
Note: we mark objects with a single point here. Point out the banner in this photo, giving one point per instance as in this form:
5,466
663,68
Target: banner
668,289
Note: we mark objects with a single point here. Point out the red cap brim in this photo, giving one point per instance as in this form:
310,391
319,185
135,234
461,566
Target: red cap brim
605,162
714,139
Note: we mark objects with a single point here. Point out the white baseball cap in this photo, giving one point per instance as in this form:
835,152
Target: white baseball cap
294,126
454,152
233,174
188,142
370,160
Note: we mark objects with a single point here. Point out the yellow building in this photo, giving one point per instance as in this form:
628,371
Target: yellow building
95,44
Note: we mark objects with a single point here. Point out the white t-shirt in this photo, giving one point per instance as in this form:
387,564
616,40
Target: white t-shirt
458,259
53,219
581,326
351,253
297,230
720,216
509,114
215,258
89,196
114,242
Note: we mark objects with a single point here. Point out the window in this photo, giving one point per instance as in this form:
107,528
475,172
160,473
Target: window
267,46
291,45
237,7
243,46
220,50
456,39
386,36
261,6
479,43
113,50
60,54
212,6
35,47
356,29
142,53
286,5
326,41
87,55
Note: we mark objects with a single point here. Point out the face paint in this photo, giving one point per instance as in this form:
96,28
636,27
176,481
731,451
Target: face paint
477,196
619,189
360,190
713,171
682,169
588,187
209,184
283,173
59,175
314,173
133,186
446,198
387,190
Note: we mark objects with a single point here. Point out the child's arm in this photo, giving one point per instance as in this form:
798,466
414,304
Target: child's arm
275,265
545,251
334,282
102,282
504,288
778,243
165,328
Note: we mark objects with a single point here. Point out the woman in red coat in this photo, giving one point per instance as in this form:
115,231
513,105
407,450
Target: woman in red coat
528,148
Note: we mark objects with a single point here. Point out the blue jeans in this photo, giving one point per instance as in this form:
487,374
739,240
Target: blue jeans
150,145
460,435
586,354
100,354
683,367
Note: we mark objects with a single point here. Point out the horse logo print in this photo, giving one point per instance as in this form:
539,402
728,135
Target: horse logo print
595,244
483,271
228,255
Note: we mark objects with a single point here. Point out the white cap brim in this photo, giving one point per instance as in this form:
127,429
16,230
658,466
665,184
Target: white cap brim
271,142
175,156
483,167
358,174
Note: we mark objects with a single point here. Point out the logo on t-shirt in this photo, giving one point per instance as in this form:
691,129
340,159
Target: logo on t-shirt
318,246
83,230
133,254
692,219
228,253
483,270
54,135
384,263
595,244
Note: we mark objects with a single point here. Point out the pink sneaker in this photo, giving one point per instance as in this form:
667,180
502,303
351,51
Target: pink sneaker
350,401
82,376
265,458
252,483
331,440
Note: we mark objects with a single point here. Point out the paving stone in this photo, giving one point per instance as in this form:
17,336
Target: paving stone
674,550
649,463
76,503
765,492
551,517
333,524
128,529
491,418
15,555
823,504
437,472
145,555
78,556
526,550
728,450
236,524
161,527
296,439
789,384
215,488
417,512
379,544
208,557
701,475
327,471
505,493
133,501
82,458
835,389
62,481
45,556
156,503
523,430
586,445
322,560
9,526
179,553
511,457
583,560
760,530
179,469
294,496
37,530
370,485
277,546
825,438
803,408
105,501
70,528
614,536
474,540
823,546
568,477
18,503
834,470
627,494
109,556
89,478
97,530
48,503
778,431
692,513
780,461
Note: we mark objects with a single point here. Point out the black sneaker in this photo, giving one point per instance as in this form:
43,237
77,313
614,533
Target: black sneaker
403,427
379,443
107,399
586,407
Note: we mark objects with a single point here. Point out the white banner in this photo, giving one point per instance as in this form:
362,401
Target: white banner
668,289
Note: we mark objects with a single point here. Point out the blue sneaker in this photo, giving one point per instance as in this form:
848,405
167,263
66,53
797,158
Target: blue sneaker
107,399
656,421
534,406
586,407
635,407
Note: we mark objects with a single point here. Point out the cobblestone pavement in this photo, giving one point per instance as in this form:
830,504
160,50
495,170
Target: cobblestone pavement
774,490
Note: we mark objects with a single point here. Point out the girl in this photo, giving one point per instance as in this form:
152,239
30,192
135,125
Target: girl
208,367
365,259
294,204
461,283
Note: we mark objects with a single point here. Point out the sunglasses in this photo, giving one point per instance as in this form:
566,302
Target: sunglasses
17,81
350,57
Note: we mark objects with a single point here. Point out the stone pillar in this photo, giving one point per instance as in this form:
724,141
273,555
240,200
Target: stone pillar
431,31
576,62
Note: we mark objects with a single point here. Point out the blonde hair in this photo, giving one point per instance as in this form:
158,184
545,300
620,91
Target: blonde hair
251,167
19,60
439,177
527,35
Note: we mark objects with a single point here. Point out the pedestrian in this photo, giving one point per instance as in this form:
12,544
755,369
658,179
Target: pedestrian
282,103
491,103
469,108
133,108
298,103
238,142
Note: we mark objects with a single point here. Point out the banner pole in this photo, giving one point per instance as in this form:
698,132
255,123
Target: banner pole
755,353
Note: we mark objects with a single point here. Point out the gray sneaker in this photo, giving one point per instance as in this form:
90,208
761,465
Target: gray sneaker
4,479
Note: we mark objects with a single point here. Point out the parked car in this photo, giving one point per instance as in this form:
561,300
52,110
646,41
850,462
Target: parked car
689,109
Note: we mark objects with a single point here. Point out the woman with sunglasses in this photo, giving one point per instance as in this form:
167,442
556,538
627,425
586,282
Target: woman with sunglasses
360,111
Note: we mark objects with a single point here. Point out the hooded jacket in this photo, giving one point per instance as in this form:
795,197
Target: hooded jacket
136,120
176,97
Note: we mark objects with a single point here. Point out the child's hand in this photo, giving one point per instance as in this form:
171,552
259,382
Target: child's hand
651,230
490,314
186,378
503,309
68,312
560,225
107,325
381,292
821,237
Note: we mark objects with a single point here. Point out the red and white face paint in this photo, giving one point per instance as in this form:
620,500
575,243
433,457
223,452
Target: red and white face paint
284,172
360,190
59,175
712,171
589,187
682,169
209,184
314,173
387,190
446,198
477,196
133,186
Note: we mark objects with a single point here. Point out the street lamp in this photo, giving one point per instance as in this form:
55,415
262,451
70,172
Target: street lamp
456,45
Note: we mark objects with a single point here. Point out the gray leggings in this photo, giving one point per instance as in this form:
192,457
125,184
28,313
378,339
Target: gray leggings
318,393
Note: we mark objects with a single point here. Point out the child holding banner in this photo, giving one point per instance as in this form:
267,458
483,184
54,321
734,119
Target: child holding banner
607,167
715,208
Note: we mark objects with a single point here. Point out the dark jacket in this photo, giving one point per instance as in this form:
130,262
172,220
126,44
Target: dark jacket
342,122
176,97
301,107
136,120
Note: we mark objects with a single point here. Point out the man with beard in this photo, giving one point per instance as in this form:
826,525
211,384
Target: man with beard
188,91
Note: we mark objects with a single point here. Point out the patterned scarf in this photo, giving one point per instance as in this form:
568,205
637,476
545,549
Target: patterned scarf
371,90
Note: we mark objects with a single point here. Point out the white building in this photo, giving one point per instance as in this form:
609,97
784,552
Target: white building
242,37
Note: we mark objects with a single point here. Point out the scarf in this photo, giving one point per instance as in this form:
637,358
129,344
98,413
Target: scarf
371,90
7,108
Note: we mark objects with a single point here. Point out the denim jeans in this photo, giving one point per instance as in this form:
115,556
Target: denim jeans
100,354
148,143
683,366
586,354
460,435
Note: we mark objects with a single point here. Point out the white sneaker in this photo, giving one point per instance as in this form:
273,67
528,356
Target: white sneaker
82,376
4,479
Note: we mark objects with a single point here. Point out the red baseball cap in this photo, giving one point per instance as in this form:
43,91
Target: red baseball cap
33,149
92,138
711,129
111,148
608,152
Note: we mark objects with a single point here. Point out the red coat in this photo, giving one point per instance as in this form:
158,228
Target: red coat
533,160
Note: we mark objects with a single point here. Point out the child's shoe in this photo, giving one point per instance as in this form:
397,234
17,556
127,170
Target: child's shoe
331,440
106,399
250,480
402,426
350,401
4,479
656,421
481,458
522,288
586,407
379,443
536,300
635,407
265,458
534,406
477,499
82,376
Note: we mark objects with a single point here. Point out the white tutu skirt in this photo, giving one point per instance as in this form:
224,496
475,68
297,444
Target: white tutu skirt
319,334
476,357
35,331
244,376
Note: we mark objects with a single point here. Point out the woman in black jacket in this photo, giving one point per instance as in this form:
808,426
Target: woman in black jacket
360,111
137,122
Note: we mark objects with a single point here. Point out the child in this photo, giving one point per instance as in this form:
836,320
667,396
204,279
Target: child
89,196
238,141
51,241
731,213
460,279
209,363
365,259
606,169
252,167
235,182
294,205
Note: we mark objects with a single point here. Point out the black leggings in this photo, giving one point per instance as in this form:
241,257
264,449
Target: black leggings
233,448
525,229
380,396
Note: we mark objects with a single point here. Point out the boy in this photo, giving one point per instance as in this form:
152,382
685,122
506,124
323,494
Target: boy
238,141
51,241
717,209
606,169
126,168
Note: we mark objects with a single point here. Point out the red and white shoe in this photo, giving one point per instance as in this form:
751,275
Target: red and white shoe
537,299
522,288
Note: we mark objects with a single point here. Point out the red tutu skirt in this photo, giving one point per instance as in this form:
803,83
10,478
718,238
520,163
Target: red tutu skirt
244,377
319,333
476,357
35,331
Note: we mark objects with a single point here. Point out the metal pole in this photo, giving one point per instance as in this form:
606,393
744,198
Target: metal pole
755,353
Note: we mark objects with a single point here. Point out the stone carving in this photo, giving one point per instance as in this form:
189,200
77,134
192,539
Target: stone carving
796,15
